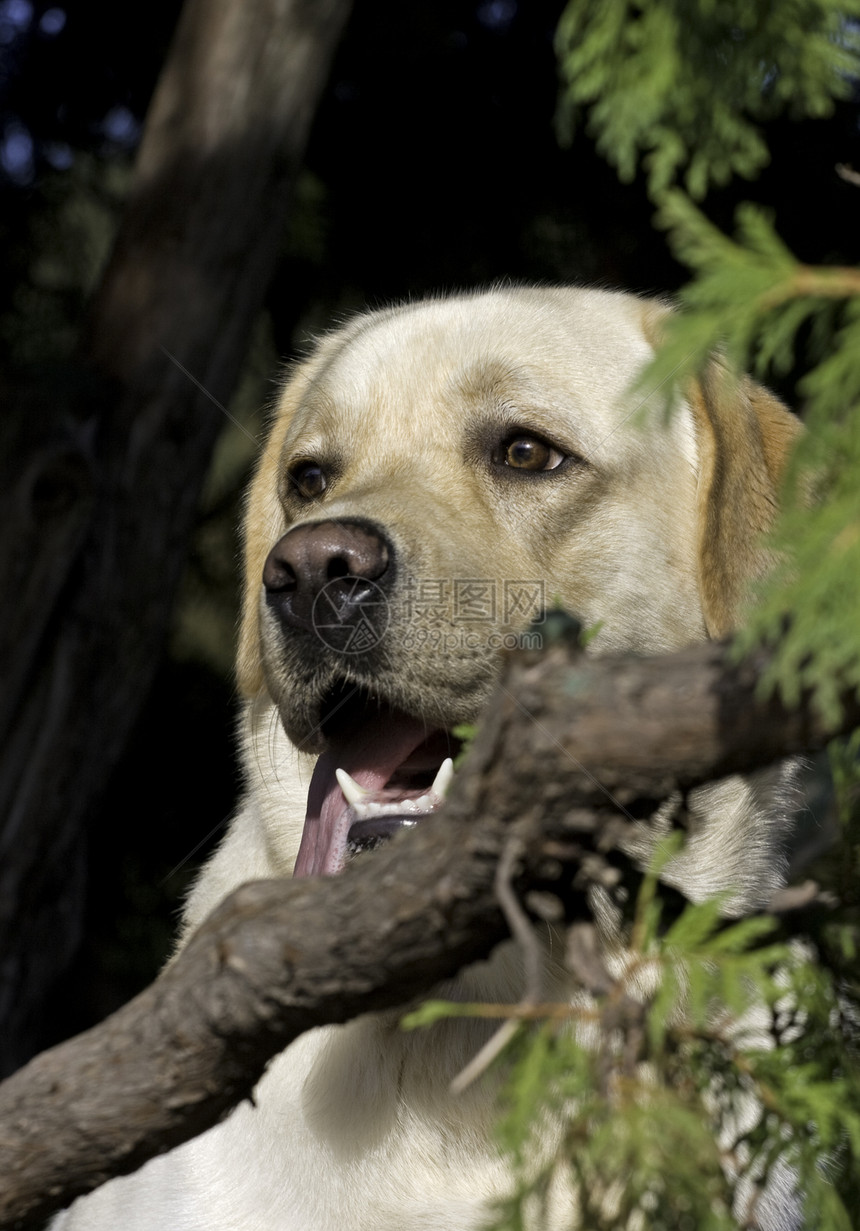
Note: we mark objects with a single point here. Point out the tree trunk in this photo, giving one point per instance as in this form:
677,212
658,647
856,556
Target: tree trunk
102,520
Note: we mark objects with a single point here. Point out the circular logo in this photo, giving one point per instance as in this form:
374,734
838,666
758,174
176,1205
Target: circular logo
350,615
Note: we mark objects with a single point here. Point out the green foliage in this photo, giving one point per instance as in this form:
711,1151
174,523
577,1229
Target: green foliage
683,85
695,1091
465,733
748,301
690,1095
681,88
723,1050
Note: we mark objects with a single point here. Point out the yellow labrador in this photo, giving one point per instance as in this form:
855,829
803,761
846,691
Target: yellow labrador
437,475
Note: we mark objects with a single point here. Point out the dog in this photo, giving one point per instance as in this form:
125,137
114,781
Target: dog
438,475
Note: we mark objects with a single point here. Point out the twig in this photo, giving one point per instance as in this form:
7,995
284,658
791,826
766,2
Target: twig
847,173
524,933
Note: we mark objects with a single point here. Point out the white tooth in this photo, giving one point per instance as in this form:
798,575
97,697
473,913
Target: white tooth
443,779
360,810
423,803
353,792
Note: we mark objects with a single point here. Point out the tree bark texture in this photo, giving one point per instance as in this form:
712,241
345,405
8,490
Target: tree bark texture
102,520
569,746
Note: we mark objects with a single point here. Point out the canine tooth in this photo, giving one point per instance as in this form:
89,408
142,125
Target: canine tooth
353,792
443,778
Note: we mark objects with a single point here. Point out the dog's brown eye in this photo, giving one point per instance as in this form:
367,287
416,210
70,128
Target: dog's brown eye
529,453
308,480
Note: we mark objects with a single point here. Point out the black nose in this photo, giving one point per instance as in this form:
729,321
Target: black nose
329,571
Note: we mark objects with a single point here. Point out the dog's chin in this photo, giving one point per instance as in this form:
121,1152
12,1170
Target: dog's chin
380,769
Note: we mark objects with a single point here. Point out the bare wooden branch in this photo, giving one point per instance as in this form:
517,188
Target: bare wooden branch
847,173
566,741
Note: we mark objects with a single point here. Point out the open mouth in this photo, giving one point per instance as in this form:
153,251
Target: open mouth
382,770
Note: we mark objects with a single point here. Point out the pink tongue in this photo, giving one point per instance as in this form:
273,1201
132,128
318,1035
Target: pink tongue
370,757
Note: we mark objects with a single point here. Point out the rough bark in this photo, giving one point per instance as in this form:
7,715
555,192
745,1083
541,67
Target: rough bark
105,516
569,747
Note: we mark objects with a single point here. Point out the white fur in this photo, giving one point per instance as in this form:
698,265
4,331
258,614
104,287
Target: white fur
352,1127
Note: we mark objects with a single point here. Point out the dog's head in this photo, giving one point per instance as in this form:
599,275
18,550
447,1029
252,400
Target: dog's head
438,476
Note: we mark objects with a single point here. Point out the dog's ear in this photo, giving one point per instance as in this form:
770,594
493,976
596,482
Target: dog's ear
263,517
744,436
264,521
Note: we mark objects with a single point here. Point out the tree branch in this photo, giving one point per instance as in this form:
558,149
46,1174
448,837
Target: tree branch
569,746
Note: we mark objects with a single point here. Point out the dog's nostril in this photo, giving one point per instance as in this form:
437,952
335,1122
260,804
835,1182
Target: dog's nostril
279,576
337,567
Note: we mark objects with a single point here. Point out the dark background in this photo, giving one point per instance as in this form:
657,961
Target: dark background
433,164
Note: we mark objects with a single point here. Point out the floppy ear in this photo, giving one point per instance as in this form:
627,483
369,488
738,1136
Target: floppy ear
263,517
264,521
744,437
